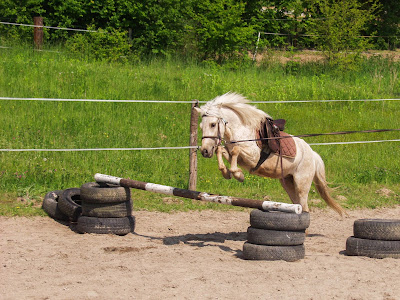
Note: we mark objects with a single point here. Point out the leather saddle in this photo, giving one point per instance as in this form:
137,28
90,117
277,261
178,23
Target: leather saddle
272,139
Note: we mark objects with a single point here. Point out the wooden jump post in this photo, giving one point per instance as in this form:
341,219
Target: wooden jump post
194,119
201,196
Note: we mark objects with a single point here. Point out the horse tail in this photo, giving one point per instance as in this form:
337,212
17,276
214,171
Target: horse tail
322,186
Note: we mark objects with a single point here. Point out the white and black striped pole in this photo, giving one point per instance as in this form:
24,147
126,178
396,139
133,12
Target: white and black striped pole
201,196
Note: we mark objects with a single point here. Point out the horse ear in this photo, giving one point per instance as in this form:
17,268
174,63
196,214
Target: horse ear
197,109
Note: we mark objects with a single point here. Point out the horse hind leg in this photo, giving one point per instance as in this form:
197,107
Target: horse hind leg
302,185
295,194
290,187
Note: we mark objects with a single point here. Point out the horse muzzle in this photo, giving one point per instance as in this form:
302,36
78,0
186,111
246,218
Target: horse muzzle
207,153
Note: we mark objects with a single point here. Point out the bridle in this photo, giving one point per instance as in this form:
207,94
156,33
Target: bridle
218,137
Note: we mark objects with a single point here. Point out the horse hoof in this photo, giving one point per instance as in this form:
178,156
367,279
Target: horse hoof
239,176
228,176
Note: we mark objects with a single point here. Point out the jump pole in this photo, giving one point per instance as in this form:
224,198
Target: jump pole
201,196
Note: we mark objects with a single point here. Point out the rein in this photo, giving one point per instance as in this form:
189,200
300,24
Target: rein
313,134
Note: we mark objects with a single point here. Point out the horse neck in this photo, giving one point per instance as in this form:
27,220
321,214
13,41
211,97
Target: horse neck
235,129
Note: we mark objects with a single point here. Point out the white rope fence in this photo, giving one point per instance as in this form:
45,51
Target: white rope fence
97,149
48,27
174,148
190,102
184,102
97,100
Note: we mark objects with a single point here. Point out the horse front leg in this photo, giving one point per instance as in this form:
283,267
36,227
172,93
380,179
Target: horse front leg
237,172
221,166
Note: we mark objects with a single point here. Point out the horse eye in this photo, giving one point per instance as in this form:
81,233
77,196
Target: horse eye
213,125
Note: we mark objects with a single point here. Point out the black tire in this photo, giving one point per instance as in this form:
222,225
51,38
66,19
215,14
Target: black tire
377,229
275,237
119,226
70,203
372,248
276,220
107,210
264,252
94,192
50,205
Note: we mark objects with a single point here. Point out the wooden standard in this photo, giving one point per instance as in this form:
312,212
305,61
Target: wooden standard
202,196
194,119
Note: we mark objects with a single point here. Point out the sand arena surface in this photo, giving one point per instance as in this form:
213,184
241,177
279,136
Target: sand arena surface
187,255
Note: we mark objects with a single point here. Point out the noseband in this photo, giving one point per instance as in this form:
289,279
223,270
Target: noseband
219,138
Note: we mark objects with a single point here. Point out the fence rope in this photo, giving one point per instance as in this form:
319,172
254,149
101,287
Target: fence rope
314,35
97,149
174,148
184,102
353,142
48,27
190,102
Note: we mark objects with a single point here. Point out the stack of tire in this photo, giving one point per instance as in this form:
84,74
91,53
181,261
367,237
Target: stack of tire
375,238
105,209
276,236
96,208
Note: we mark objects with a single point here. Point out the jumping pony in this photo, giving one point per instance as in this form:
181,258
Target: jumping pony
231,128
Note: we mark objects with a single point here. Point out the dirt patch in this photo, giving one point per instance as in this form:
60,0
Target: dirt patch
309,56
193,255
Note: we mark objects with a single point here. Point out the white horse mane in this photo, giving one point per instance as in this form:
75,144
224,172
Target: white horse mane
249,115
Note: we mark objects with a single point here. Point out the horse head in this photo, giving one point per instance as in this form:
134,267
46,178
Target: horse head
213,128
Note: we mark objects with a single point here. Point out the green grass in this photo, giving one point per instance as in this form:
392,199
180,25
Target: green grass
356,171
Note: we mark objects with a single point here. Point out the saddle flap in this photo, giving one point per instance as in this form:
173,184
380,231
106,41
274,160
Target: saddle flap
286,145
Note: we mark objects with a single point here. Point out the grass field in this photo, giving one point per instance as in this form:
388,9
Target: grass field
358,172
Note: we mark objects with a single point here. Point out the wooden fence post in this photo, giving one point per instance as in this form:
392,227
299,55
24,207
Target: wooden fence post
38,32
194,118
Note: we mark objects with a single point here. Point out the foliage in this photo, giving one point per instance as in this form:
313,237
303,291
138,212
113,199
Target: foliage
21,11
160,27
338,26
386,25
104,45
217,30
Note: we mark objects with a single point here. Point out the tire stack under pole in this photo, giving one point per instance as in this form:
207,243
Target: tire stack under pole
375,238
105,210
276,236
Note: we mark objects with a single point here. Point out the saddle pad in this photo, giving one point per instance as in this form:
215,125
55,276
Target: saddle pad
288,146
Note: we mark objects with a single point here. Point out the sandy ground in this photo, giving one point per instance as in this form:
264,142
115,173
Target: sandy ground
194,255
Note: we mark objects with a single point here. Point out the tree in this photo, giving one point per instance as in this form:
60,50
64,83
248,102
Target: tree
219,29
21,11
338,25
387,25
